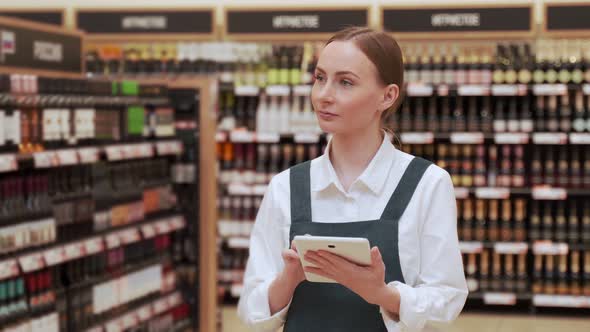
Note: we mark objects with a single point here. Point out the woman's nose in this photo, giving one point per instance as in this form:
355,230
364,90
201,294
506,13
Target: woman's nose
325,92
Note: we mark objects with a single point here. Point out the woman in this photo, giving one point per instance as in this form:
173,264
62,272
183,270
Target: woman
362,186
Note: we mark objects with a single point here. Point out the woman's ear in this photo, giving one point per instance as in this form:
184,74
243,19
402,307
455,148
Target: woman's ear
390,95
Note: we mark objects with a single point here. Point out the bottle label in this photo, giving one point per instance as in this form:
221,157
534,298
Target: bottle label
587,75
284,76
577,76
510,76
295,76
564,76
579,124
498,76
551,76
538,76
273,76
524,76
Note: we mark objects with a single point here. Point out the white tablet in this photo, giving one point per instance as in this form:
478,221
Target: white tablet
352,248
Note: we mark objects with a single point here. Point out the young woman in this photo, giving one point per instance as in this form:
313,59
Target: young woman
362,186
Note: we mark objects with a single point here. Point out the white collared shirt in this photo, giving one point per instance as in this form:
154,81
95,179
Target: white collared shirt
434,290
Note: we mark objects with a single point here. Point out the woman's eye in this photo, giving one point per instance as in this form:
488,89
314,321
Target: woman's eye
319,77
346,83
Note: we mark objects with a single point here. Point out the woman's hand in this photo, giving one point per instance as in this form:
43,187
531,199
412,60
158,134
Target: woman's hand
366,281
293,271
283,286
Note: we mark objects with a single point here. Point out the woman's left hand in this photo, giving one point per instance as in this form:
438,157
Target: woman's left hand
366,281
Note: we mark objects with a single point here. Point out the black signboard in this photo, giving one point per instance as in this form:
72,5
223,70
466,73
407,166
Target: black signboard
54,17
31,48
293,21
140,22
509,19
568,17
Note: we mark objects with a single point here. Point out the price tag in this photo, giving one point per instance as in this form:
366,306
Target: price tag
442,90
45,159
580,138
239,242
114,153
129,151
473,90
492,193
8,269
114,326
268,137
178,223
246,90
94,246
239,189
278,90
129,320
549,89
306,138
242,136
95,329
88,155
417,138
499,298
586,89
54,256
73,251
174,299
302,90
31,263
508,89
419,90
473,247
8,163
511,138
220,136
113,241
146,150
549,193
511,247
550,248
549,138
162,227
542,300
129,236
144,313
236,290
160,306
461,192
67,157
467,138
148,231
259,189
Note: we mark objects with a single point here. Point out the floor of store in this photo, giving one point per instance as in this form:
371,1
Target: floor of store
469,322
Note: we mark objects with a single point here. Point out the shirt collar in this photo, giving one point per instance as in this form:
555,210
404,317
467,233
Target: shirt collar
373,177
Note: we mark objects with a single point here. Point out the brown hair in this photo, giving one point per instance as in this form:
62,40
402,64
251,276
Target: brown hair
384,53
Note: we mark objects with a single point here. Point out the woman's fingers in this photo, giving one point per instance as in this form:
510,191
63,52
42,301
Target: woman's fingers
318,271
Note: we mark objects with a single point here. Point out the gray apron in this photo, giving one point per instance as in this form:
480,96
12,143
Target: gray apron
325,307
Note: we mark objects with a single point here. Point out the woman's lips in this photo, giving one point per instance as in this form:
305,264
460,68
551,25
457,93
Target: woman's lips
327,115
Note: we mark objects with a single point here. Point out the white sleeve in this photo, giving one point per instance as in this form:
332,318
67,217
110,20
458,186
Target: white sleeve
441,289
265,262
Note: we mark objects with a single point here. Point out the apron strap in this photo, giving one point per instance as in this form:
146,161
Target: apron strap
300,193
405,189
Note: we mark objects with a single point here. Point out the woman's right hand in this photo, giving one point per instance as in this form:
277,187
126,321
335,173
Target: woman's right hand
293,271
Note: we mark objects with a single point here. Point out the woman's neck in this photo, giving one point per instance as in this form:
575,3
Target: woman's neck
351,154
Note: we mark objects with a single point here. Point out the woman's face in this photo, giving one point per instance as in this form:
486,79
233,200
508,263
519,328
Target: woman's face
347,95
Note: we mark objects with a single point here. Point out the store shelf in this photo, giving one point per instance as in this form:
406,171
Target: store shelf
500,298
426,90
244,136
564,301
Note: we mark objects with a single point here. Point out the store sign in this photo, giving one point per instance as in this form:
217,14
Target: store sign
54,17
404,20
34,48
153,21
567,17
293,21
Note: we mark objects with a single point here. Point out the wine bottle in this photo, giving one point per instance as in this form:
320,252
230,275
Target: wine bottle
561,223
580,115
506,233
493,227
519,220
573,222
500,124
538,274
547,222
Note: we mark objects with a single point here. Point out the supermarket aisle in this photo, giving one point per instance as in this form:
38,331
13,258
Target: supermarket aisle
470,322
